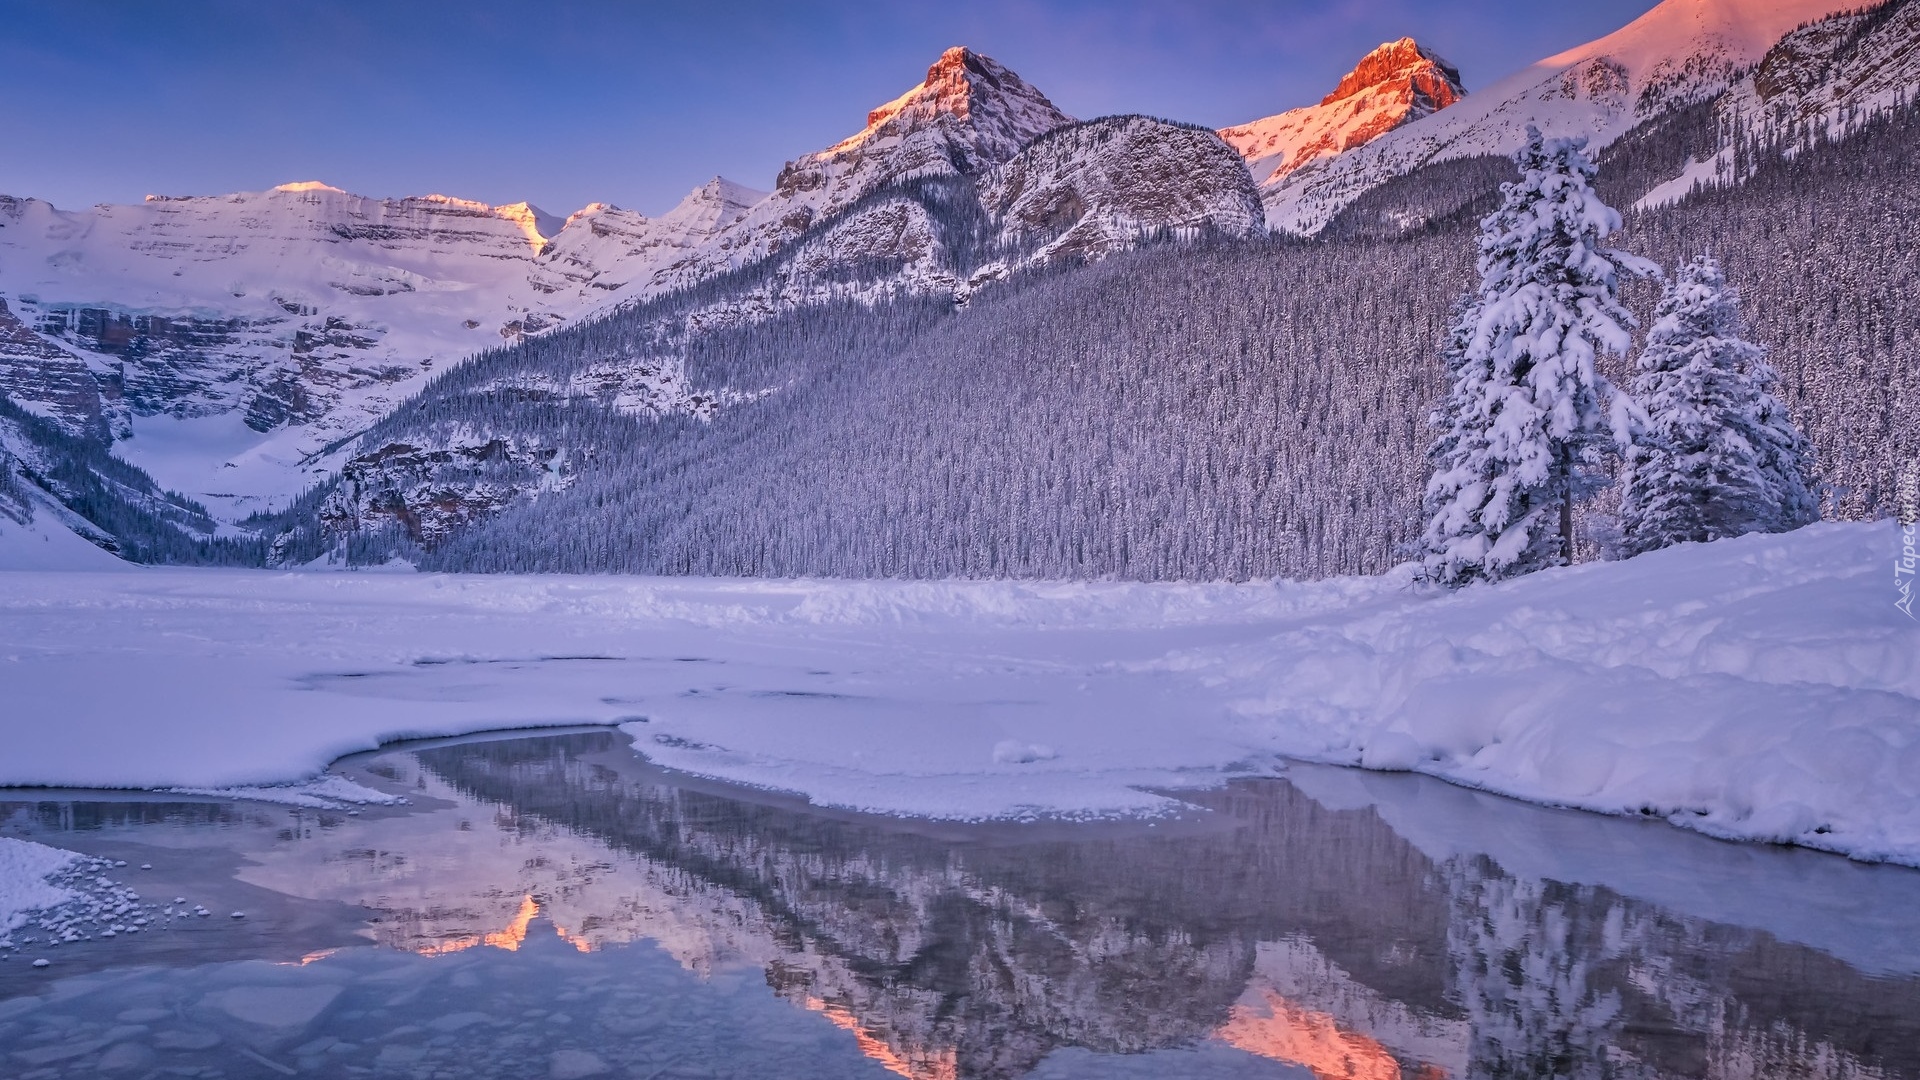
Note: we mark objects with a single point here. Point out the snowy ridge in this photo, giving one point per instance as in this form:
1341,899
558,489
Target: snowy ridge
309,312
1395,84
603,248
1680,53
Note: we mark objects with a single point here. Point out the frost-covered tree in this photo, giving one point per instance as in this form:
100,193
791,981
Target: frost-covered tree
1523,420
1716,454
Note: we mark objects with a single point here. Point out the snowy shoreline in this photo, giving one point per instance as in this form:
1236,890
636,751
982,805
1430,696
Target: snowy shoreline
1763,688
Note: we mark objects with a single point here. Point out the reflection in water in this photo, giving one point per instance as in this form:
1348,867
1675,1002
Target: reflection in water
1280,933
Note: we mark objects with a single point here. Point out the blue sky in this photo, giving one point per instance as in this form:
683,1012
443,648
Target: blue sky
636,103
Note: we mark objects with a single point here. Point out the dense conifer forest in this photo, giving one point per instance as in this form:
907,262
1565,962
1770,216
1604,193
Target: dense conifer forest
1184,411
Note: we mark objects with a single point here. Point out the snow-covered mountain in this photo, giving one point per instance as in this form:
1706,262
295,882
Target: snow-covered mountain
1680,53
1076,194
242,341
970,113
276,323
1395,84
300,314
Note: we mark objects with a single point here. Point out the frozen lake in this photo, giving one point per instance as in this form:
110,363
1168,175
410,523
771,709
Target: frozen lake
554,905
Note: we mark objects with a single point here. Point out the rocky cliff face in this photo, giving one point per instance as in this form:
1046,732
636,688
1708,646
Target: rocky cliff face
1395,84
426,492
1091,189
58,383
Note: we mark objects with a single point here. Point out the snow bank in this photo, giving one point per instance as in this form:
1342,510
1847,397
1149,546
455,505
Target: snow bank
24,869
1760,688
315,793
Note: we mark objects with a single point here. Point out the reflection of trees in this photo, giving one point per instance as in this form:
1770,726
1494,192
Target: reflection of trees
1277,924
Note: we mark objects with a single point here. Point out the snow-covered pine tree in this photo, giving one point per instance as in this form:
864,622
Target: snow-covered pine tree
1523,421
1716,455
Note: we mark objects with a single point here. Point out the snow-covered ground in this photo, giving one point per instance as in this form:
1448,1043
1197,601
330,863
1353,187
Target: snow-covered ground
1762,688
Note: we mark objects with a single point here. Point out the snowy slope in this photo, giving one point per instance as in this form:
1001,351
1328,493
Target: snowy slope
1824,78
1679,53
1395,84
44,540
1761,688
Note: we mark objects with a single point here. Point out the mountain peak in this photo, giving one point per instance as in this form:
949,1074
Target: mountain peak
309,185
1395,84
536,224
1434,83
712,206
1002,110
969,114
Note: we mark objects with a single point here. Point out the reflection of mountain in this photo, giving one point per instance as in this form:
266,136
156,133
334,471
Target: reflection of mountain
1277,926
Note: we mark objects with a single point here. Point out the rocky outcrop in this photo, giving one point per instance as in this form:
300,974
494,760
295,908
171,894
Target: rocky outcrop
1395,84
648,386
1090,189
61,383
428,492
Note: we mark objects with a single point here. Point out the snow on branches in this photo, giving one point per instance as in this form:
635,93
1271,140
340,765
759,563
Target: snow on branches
1523,422
1715,454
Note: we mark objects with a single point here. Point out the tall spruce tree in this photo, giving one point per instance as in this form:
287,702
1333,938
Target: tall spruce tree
1716,454
1523,423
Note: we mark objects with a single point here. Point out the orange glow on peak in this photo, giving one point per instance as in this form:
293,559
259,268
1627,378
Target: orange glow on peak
515,934
299,186
509,937
1279,1030
939,1065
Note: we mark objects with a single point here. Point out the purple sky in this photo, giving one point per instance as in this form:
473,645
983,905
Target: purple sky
635,103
